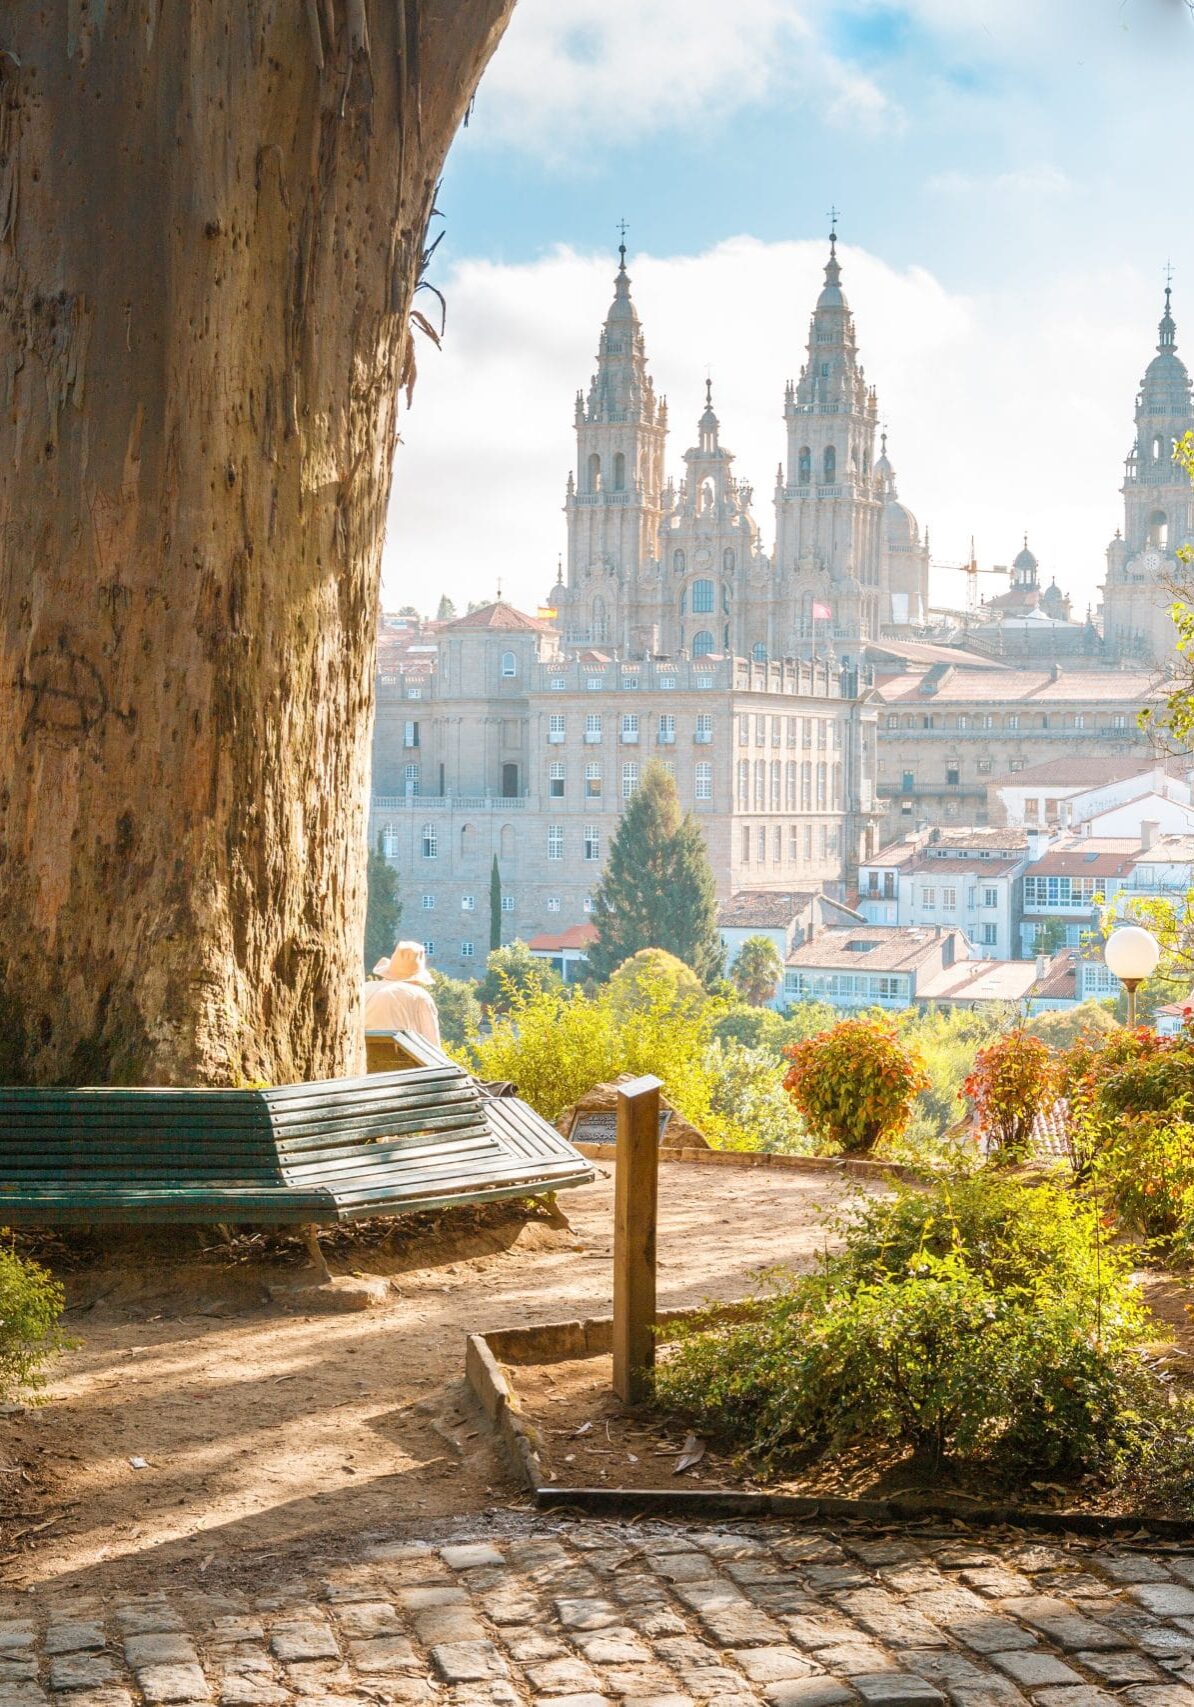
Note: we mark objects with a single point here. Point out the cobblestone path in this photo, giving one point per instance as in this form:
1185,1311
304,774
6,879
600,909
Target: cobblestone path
584,1614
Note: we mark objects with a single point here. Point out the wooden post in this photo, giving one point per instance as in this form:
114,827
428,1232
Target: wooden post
636,1200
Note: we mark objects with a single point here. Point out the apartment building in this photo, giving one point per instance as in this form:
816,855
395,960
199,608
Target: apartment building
515,750
869,966
1102,797
964,878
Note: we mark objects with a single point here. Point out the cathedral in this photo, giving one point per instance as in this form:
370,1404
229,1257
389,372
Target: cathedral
658,568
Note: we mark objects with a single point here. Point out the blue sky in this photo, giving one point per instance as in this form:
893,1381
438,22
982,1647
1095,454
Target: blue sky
1012,182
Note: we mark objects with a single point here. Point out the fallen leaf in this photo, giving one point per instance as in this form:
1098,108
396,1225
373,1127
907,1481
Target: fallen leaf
691,1453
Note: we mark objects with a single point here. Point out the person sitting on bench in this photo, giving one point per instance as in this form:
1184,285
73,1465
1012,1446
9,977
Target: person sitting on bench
400,999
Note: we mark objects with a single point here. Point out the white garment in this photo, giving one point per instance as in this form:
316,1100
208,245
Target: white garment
391,1006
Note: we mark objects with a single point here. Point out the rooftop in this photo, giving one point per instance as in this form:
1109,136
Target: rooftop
872,948
980,981
575,936
1079,772
895,853
498,615
1060,982
1166,850
764,907
1125,688
1087,856
990,865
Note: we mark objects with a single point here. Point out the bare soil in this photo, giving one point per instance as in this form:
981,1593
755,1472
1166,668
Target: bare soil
265,1424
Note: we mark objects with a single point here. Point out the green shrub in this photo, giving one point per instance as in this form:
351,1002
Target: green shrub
514,971
648,976
854,1084
764,1028
981,1319
31,1303
751,1109
1013,1081
1063,1026
459,1011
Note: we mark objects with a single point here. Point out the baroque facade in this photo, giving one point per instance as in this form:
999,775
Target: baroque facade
660,568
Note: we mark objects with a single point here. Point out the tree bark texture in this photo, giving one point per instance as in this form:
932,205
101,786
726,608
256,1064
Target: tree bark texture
212,216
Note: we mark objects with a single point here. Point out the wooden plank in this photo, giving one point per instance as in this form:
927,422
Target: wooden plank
636,1199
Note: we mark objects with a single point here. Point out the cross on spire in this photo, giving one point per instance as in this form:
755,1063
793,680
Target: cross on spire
833,219
623,228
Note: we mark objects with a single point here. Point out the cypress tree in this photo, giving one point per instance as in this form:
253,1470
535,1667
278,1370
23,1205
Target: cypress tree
383,909
657,889
495,906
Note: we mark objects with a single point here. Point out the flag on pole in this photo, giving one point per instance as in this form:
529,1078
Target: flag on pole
822,613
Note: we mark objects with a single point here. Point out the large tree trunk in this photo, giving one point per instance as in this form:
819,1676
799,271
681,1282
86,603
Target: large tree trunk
212,215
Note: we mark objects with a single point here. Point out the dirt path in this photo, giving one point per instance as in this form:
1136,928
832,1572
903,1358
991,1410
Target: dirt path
261,1426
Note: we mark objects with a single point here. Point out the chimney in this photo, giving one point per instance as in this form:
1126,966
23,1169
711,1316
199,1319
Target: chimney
1150,829
1042,966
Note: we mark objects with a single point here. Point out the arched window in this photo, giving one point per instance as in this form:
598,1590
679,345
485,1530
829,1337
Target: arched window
830,463
805,466
506,841
594,473
599,620
1158,447
468,840
703,594
619,472
759,652
702,644
1158,531
727,560
509,664
678,562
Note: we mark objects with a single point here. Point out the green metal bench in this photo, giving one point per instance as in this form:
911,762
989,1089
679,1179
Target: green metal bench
340,1150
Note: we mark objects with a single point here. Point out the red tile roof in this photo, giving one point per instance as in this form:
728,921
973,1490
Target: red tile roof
499,616
552,942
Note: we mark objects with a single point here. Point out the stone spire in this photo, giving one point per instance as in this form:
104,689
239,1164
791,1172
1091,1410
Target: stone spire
621,389
833,374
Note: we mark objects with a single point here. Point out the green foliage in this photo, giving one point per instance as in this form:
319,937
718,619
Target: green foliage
1014,1080
556,1044
982,1318
1050,937
514,971
757,970
764,1028
446,610
495,906
752,1110
854,1084
459,1012
31,1304
383,909
1062,1026
947,1040
657,889
641,980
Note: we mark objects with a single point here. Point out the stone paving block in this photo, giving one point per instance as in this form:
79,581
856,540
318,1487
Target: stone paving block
618,1646
1035,1670
418,1598
742,1626
413,1691
80,1671
653,1622
467,1662
809,1692
710,1683
15,1634
470,1555
527,1645
236,1627
822,1630
855,1658
835,1577
773,1665
1160,1695
304,1639
1167,1600
22,1695
994,1582
1180,1567
159,1648
586,1614
640,1680
991,1634
1058,1620
249,1689
1137,1568
510,1605
578,1701
148,1618
319,1678
382,1654
74,1638
1081,1695
897,1689
439,1624
1120,1666
564,1677
173,1683
882,1615
658,1701
369,1618
993,1692
18,1668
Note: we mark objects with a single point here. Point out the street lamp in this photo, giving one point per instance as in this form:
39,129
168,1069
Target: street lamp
1131,954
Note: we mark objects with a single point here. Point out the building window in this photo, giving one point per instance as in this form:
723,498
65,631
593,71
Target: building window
777,844
594,683
389,842
703,598
793,843
466,951
553,903
990,897
951,776
630,727
468,903
588,903
743,784
555,780
429,949
593,782
629,780
776,784
410,776
949,899
430,842
704,680
829,464
410,734
555,841
761,844
1012,721
760,784
744,731
1119,721
678,562
791,785
758,652
666,682
702,644
509,664
990,936
984,767
808,842
760,731
507,903
704,782
1016,765
429,903
746,844
804,466
414,693
893,721
555,728
963,721
704,728
593,727
928,899
988,721
558,684
592,842
667,729
619,471
1079,720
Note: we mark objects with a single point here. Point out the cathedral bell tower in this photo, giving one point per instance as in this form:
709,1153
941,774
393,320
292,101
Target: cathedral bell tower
829,505
612,504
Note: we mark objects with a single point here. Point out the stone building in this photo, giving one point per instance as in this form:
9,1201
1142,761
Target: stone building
656,567
1142,560
519,750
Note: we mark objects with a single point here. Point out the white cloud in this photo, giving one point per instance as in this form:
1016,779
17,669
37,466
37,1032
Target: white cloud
1007,410
1032,182
571,72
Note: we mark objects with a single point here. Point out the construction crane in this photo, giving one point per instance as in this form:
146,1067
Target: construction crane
972,572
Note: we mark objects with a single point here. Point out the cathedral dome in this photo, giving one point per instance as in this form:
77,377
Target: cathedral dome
1025,559
903,529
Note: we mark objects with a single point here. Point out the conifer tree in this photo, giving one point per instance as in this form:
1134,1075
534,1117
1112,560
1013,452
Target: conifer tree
446,611
657,889
383,911
495,906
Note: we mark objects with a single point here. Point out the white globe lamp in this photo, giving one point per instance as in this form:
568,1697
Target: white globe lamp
1131,954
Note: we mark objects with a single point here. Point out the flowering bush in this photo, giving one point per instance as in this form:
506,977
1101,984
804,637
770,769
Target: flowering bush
855,1083
1013,1081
